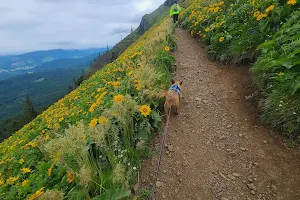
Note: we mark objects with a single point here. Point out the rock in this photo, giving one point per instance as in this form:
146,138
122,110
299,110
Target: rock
223,176
243,149
251,186
252,192
224,198
197,99
236,174
265,142
164,196
180,180
222,137
178,173
240,135
176,190
136,187
185,163
250,179
204,101
159,184
231,177
274,188
167,152
170,148
229,126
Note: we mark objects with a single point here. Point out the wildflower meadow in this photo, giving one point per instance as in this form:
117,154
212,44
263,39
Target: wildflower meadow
89,145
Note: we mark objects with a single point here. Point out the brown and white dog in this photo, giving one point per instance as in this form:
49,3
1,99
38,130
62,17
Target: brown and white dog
173,96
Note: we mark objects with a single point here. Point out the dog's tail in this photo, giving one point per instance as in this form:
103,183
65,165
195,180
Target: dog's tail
164,90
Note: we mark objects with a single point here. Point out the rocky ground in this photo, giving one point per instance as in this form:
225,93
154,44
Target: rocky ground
216,149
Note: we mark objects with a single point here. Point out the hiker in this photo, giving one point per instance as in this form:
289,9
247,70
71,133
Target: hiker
174,11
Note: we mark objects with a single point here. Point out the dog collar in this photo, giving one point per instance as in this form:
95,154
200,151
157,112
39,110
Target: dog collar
175,88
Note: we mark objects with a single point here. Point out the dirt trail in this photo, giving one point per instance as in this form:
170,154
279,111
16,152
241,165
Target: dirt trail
216,149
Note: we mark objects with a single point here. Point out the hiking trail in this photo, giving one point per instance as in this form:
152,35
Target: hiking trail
216,147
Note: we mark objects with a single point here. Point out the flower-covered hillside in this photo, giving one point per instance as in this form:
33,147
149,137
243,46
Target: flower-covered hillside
90,143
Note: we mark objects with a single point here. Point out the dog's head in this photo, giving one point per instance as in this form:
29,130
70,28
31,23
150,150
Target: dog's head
178,83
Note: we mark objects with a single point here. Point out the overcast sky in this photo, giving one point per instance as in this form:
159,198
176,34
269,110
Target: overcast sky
29,25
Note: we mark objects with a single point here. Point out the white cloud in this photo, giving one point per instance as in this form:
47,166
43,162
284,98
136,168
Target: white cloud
47,24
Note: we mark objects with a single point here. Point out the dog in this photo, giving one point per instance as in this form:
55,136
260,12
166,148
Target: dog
173,96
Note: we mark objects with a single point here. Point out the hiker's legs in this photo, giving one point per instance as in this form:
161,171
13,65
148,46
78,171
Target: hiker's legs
174,19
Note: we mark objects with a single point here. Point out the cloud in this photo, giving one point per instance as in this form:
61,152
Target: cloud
48,24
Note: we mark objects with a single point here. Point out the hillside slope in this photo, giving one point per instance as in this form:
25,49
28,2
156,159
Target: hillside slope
147,21
90,143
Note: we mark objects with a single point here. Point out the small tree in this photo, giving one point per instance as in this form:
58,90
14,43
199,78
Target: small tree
113,56
107,49
29,111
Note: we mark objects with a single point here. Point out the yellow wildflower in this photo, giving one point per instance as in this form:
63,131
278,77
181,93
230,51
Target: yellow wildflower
118,98
71,177
259,17
24,183
145,110
207,29
271,7
116,83
21,161
103,120
93,123
256,13
292,2
11,180
216,9
130,73
37,194
25,170
47,137
1,182
167,48
281,74
33,144
50,170
92,108
221,39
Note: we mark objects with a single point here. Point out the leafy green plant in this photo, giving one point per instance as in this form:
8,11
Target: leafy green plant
277,73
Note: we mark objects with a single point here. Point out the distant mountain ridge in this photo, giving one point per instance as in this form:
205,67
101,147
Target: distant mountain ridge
12,65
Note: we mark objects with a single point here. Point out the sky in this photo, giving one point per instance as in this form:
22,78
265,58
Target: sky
30,25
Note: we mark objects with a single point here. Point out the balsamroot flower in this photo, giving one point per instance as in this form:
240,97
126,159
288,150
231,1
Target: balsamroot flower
221,39
118,98
145,110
